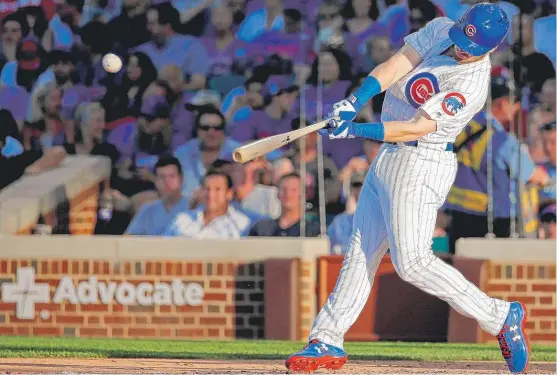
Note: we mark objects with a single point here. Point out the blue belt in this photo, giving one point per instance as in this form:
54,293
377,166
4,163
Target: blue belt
415,144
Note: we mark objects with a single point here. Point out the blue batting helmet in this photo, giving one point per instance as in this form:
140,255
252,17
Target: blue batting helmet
482,28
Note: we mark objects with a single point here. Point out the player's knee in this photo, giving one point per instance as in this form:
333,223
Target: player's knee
414,271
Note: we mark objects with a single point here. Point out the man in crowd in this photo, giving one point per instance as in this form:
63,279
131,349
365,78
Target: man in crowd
548,134
288,224
216,217
154,217
167,47
340,230
468,198
198,154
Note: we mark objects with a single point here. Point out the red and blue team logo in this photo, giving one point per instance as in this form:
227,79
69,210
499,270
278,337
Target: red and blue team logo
420,88
452,103
470,30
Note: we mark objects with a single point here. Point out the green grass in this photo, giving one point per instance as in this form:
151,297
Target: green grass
41,347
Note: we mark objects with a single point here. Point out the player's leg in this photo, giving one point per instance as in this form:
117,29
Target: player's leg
368,244
410,208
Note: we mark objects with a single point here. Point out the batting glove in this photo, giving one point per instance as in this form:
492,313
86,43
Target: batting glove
327,130
341,129
344,110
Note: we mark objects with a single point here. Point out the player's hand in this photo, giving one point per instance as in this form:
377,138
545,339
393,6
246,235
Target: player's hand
341,129
344,110
331,126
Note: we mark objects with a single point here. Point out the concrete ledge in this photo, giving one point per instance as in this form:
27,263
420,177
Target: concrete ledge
22,202
156,248
507,249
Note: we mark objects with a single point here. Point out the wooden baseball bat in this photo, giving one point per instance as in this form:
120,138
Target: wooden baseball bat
255,149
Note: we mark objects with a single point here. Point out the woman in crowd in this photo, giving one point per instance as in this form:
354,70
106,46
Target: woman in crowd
126,99
14,28
360,15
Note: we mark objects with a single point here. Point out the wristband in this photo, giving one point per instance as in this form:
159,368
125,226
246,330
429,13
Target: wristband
374,130
369,88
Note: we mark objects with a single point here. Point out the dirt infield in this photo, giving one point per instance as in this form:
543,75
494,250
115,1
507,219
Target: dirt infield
172,366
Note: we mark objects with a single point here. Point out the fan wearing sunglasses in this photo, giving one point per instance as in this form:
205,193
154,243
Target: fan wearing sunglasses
209,143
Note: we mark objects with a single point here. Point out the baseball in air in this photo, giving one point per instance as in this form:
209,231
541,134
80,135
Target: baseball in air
112,63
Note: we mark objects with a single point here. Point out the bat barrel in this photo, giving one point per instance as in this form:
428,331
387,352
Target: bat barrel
238,156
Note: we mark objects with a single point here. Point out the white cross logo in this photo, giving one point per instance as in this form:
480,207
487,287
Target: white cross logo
323,346
513,328
25,293
517,337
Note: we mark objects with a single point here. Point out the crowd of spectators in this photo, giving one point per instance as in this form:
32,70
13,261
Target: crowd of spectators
201,77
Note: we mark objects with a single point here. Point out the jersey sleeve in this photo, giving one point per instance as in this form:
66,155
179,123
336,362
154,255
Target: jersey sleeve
508,158
449,108
432,34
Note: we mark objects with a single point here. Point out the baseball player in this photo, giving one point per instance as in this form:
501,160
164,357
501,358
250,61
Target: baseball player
435,84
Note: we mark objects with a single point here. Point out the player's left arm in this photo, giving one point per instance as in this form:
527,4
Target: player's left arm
442,110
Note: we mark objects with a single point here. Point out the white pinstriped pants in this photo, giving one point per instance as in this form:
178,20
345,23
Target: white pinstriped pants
398,206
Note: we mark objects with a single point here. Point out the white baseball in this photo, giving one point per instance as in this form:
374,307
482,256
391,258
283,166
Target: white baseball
112,63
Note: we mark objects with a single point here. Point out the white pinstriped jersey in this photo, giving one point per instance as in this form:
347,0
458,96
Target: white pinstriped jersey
449,92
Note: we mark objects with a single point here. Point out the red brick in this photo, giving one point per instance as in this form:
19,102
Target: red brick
65,268
543,287
546,300
7,330
215,297
52,307
165,320
189,269
215,284
168,270
543,337
7,306
519,272
524,299
24,263
13,266
4,266
165,308
119,332
94,320
158,268
86,267
544,324
69,319
141,320
93,331
94,307
113,319
230,309
499,288
531,272
220,269
128,268
199,269
23,331
230,284
165,332
185,332
55,266
133,332
46,331
75,267
230,332
69,307
543,312
212,321
230,269
213,332
188,320
551,272
117,308
530,325
106,268
521,287
178,269
44,266
190,309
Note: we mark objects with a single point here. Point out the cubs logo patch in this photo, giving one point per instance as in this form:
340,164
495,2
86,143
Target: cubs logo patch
421,88
452,103
470,30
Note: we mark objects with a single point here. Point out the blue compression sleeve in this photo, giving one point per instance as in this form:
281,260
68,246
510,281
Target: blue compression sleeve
369,88
373,130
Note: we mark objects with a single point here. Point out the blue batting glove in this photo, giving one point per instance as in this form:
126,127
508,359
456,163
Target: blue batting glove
341,130
327,130
344,110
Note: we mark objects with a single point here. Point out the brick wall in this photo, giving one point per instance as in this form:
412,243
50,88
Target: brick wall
232,305
532,284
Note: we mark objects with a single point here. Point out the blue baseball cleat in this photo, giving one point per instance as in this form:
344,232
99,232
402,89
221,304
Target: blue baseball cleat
316,355
513,341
